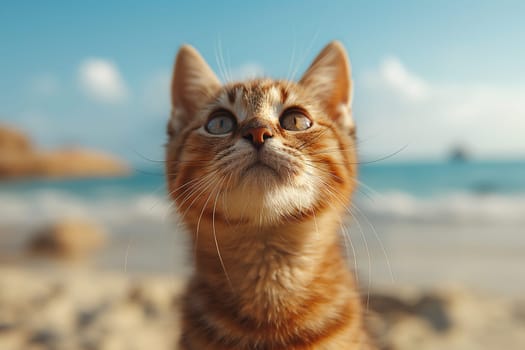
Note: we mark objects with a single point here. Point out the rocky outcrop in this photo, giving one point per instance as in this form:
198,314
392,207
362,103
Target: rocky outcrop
68,238
19,159
14,141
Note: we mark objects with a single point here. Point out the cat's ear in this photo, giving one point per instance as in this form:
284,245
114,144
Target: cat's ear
329,80
192,85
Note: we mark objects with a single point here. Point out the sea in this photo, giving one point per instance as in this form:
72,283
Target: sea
422,223
420,191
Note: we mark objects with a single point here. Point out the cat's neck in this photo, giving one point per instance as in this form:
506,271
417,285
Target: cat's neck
264,268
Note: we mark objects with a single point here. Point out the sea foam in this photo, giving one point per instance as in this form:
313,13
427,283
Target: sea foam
453,207
114,209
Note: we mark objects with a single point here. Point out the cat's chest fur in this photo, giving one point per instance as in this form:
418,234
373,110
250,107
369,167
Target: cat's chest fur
274,299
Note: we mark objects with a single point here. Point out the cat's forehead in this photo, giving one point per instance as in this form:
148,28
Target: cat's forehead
257,98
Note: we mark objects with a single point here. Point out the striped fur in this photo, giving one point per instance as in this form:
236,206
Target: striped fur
270,271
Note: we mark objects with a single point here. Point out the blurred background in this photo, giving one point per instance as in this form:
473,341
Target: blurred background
91,255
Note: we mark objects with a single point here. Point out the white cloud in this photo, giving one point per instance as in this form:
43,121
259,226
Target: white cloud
45,84
247,71
392,74
395,107
101,80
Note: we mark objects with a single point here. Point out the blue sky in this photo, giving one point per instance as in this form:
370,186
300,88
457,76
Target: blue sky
429,75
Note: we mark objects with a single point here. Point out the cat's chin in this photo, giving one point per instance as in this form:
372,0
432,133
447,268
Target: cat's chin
266,174
265,198
260,177
260,171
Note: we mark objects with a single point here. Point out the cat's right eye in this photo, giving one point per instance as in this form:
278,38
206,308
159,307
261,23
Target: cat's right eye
220,123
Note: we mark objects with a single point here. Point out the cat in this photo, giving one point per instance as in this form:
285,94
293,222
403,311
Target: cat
261,173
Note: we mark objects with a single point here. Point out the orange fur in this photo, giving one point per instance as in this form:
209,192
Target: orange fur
264,205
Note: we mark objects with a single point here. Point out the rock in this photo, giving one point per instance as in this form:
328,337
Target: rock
14,141
452,319
19,159
430,308
77,163
68,239
44,337
153,296
410,334
12,338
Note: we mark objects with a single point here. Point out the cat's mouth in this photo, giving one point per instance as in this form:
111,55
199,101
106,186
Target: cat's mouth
267,166
260,167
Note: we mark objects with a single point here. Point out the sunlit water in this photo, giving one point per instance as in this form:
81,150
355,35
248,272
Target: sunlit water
425,223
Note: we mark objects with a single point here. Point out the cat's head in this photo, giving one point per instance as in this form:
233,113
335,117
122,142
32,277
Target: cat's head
261,151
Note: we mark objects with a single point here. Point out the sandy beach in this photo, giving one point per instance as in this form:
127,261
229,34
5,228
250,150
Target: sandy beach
79,309
448,295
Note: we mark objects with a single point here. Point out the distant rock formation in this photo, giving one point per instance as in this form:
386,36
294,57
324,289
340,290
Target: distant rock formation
459,154
19,158
68,239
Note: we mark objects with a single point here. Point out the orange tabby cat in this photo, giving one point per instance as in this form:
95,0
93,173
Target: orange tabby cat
261,173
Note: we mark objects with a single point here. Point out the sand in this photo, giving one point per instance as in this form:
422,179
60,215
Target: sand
78,308
452,287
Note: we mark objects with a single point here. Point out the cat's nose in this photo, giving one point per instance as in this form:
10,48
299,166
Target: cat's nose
257,135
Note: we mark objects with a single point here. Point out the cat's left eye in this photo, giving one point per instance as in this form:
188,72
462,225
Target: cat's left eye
295,120
221,123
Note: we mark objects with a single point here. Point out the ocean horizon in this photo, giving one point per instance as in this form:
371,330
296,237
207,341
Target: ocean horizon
479,190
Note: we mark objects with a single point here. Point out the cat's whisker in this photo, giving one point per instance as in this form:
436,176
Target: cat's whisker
292,59
315,224
333,150
200,217
228,78
307,53
188,192
383,249
215,236
368,255
388,156
147,158
224,204
188,183
168,211
158,200
353,147
191,183
195,190
369,282
168,196
222,74
365,193
369,188
229,66
328,188
310,141
371,192
193,161
336,151
347,239
322,170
